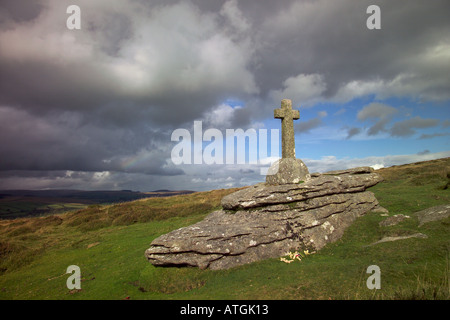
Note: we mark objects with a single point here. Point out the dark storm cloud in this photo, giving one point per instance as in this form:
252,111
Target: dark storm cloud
112,32
258,46
107,97
322,50
19,11
64,143
174,58
310,37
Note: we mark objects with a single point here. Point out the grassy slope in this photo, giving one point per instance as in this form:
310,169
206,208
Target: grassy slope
108,244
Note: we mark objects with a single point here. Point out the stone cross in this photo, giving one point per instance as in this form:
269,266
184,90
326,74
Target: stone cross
287,116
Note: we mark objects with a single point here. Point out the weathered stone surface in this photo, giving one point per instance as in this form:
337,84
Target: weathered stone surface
287,170
358,170
221,240
433,214
266,221
263,194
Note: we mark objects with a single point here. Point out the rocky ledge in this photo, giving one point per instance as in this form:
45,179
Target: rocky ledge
267,221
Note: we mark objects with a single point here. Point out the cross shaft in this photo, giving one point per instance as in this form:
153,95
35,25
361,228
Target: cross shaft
287,116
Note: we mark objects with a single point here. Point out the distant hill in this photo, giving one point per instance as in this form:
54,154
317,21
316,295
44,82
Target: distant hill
23,203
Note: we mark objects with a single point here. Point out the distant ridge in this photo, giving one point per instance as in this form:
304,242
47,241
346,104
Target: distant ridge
22,203
75,193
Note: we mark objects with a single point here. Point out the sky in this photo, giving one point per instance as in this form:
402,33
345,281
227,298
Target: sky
96,108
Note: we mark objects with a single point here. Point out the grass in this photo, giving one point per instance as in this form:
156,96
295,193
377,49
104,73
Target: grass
108,244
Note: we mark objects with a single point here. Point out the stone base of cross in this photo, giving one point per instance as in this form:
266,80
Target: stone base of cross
288,169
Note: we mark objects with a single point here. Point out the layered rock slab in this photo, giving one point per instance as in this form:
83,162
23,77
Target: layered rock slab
266,221
321,185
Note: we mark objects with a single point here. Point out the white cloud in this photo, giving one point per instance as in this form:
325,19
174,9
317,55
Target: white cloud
304,89
221,116
357,88
329,163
